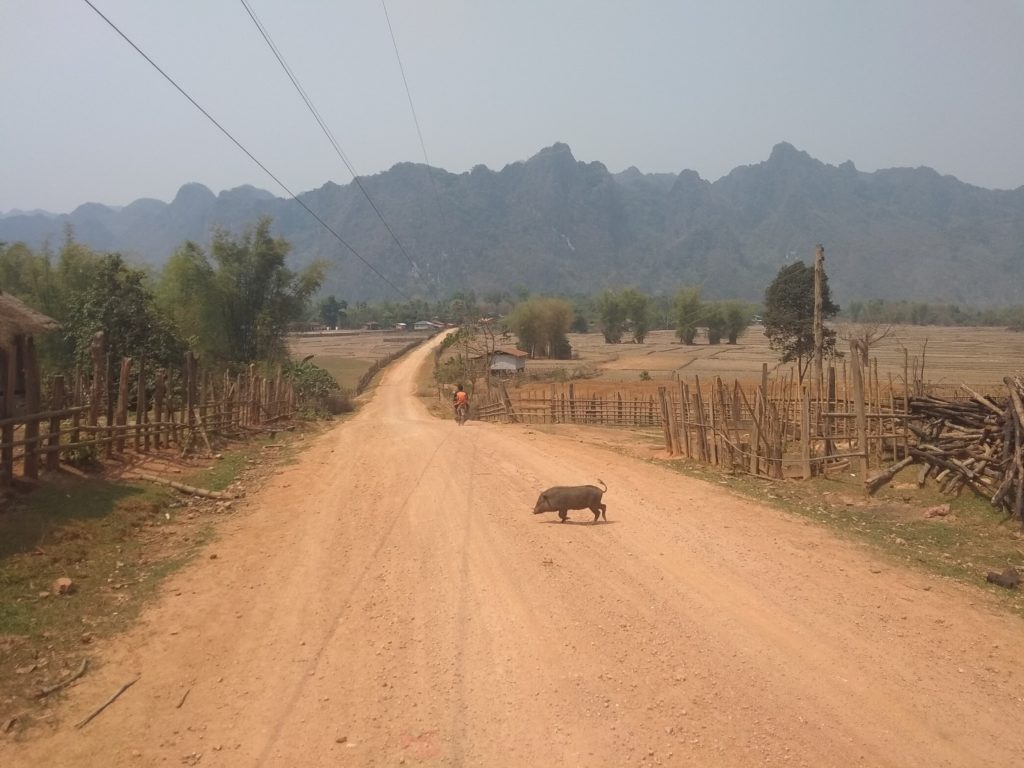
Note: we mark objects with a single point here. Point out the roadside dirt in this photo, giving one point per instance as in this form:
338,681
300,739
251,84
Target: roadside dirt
390,599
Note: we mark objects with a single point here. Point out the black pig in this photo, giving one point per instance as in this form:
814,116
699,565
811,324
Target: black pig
562,498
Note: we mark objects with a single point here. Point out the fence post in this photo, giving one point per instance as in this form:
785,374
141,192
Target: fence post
56,404
121,418
108,446
684,399
858,404
159,390
76,400
33,398
666,427
141,411
805,432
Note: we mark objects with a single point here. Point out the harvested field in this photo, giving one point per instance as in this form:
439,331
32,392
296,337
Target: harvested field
347,355
978,357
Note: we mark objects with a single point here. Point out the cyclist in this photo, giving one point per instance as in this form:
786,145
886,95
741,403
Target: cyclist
460,398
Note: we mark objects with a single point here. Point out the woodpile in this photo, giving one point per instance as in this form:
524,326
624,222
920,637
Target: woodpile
975,443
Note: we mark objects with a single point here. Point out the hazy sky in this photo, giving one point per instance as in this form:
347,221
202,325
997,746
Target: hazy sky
660,84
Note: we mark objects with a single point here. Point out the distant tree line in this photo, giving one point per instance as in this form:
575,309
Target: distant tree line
233,303
936,313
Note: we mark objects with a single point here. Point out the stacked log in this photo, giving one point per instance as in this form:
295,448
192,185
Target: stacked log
975,443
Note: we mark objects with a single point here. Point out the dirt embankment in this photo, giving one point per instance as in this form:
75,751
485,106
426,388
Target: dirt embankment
391,599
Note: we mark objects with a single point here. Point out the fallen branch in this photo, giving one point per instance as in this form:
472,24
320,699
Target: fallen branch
64,683
107,703
183,697
191,489
271,430
874,483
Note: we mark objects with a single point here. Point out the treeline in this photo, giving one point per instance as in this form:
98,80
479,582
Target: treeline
925,313
231,304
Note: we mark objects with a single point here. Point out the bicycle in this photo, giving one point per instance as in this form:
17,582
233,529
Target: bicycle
461,413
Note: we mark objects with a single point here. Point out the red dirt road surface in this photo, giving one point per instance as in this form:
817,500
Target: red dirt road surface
391,600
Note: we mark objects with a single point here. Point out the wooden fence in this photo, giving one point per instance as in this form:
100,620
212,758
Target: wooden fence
148,410
775,428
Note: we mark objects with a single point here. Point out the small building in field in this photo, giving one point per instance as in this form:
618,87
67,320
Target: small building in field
426,325
508,362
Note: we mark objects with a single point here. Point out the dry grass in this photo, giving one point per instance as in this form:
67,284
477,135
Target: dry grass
347,355
977,357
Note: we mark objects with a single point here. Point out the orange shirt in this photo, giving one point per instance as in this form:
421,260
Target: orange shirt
461,398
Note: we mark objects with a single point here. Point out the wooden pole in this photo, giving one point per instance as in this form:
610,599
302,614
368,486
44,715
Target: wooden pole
684,404
33,404
805,432
121,417
108,446
159,391
819,328
665,426
76,401
142,440
7,411
858,404
53,443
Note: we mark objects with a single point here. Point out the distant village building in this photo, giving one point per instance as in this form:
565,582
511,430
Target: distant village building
373,325
508,362
426,325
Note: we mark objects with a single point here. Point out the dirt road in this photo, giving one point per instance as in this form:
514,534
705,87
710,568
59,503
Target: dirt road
391,599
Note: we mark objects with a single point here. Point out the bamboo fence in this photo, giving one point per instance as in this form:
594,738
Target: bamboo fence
183,409
851,420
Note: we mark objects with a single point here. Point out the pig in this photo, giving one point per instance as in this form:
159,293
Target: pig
1009,578
562,498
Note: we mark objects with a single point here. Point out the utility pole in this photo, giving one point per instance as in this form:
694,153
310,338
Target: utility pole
819,330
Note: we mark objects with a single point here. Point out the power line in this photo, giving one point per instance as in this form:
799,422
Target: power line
251,156
412,108
327,131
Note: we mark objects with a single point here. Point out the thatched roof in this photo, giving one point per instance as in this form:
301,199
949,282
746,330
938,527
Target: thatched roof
17,317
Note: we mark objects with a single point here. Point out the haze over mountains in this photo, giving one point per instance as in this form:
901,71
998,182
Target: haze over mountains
554,224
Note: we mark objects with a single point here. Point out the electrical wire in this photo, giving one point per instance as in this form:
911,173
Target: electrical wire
251,156
412,108
323,127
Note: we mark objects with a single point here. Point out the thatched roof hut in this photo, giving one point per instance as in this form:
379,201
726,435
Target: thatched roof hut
17,318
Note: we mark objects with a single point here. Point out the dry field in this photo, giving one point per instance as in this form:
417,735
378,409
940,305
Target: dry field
347,355
977,357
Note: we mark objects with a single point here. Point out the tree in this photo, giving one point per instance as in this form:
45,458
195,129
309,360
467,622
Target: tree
235,304
689,313
542,325
116,300
330,311
638,313
714,318
612,313
789,315
736,316
187,293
